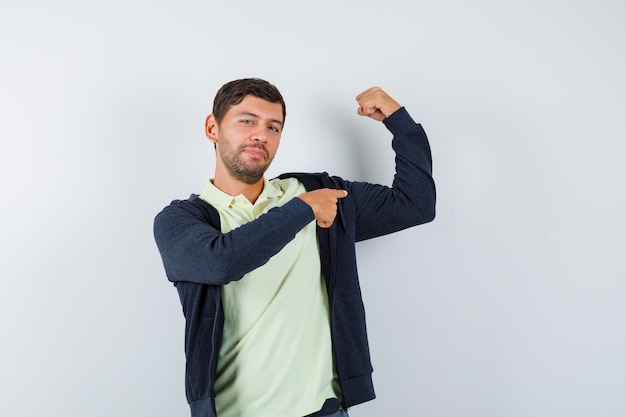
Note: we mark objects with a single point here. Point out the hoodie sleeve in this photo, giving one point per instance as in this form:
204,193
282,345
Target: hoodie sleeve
411,199
193,250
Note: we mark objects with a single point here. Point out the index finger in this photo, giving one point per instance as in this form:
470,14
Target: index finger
340,193
371,90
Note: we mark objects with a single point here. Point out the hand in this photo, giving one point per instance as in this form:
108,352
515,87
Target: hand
377,104
324,204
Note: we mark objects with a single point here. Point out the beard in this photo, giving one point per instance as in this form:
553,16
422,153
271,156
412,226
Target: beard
248,172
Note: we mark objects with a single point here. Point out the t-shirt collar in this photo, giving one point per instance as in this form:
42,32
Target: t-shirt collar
213,195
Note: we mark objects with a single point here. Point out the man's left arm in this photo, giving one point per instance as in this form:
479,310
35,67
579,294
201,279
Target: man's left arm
411,198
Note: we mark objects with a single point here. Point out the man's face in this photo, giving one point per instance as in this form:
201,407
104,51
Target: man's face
247,138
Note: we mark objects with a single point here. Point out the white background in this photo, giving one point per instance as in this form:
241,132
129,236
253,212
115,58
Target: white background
511,303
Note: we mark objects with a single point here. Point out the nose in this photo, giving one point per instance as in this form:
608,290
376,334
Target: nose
259,135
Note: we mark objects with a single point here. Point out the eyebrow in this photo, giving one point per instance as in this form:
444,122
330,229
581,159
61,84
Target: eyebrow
247,113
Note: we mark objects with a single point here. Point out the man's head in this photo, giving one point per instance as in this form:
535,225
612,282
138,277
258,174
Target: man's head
233,92
246,128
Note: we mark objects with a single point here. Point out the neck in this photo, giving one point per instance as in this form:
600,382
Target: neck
234,187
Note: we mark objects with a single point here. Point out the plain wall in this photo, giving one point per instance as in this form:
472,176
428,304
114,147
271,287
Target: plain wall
511,303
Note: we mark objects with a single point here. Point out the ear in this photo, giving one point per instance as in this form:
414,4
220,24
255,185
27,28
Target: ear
211,128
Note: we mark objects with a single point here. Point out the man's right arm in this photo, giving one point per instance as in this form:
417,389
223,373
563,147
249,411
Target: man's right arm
192,250
195,251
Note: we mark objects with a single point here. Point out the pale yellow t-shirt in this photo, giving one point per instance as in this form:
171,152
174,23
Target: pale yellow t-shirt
276,356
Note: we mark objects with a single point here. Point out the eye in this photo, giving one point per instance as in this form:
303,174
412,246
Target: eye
274,129
246,121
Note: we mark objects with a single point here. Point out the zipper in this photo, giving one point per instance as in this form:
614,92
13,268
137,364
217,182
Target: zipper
215,349
332,247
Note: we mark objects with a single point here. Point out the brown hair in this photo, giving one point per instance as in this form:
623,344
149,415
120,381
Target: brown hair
233,92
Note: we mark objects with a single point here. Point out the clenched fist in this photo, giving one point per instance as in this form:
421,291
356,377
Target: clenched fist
377,104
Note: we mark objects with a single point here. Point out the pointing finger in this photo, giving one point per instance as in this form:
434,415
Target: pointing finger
341,193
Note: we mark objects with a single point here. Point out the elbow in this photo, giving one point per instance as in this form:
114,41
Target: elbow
430,209
431,217
199,271
425,207
425,215
431,203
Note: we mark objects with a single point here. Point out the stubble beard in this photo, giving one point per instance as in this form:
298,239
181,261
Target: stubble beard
246,172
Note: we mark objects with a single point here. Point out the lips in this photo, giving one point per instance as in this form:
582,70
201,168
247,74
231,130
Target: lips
255,151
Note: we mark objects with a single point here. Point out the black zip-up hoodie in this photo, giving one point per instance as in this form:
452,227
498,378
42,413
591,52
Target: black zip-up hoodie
198,259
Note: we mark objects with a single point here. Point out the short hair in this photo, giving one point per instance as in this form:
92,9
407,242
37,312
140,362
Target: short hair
233,93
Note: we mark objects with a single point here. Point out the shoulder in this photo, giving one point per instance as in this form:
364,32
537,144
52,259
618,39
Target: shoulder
193,205
315,180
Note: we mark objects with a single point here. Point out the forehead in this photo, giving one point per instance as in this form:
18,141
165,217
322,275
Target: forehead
259,107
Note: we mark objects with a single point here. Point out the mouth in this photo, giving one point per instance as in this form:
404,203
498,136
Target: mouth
256,152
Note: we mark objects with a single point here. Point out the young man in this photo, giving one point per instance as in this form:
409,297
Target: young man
266,269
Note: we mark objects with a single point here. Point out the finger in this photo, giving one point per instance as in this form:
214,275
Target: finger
340,193
324,224
369,92
366,111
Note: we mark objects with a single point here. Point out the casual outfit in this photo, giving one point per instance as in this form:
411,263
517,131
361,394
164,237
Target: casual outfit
276,318
204,251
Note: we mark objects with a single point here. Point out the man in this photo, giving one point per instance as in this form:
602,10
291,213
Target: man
266,269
